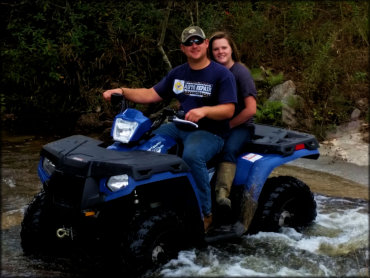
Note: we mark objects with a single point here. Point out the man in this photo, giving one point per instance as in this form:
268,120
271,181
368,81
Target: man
207,94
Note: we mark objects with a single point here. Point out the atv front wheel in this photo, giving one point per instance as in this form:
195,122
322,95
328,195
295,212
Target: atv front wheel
35,227
285,202
154,240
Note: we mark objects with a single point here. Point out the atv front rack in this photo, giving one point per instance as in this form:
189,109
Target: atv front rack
85,156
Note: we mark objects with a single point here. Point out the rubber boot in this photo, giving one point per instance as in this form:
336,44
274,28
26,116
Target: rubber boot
248,210
225,177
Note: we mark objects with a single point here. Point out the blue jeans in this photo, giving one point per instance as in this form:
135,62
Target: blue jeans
237,139
199,147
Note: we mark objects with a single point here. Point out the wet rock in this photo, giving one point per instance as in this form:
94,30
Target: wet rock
355,114
364,129
363,104
346,143
283,91
286,93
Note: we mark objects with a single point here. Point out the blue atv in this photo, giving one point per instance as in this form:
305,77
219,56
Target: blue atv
137,196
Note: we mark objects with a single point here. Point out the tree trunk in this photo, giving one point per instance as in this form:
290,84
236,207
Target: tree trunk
163,33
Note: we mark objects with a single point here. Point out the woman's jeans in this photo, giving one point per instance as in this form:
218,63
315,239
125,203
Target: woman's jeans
237,139
199,147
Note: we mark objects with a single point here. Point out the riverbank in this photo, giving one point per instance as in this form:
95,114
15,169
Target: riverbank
344,158
345,153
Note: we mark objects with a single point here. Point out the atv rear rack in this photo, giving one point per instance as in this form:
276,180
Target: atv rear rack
269,139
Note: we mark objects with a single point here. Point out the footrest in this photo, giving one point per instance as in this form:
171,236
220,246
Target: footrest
225,232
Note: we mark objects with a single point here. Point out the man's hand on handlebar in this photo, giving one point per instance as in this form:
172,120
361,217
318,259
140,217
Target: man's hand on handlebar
194,115
107,94
178,119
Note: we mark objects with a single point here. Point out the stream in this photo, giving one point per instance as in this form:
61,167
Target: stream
335,245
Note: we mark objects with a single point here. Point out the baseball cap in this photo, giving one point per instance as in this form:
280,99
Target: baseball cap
192,31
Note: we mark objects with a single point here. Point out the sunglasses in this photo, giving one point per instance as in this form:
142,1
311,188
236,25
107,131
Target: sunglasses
197,41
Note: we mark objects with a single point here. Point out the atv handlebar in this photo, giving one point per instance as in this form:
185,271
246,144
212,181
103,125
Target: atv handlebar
178,118
119,102
183,123
116,99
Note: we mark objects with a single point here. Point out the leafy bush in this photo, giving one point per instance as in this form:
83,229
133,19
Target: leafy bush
270,113
58,56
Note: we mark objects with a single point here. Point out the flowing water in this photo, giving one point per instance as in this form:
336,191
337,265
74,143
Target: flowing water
335,245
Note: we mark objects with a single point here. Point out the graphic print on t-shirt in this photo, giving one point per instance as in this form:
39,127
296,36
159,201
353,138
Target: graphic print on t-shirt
195,89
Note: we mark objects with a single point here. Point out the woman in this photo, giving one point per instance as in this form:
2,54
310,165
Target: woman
223,50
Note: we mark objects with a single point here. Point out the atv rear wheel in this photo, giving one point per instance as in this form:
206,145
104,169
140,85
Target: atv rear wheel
154,240
285,202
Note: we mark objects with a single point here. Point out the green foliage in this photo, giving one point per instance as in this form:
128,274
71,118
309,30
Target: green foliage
321,85
270,113
2,103
58,56
267,78
360,76
274,80
56,51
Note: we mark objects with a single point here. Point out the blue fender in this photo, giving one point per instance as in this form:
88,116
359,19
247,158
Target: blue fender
41,172
253,169
133,184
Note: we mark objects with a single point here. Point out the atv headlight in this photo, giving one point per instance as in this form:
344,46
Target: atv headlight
124,130
48,166
117,182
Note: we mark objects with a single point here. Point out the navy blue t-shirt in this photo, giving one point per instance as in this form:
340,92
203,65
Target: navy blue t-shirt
245,86
210,86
